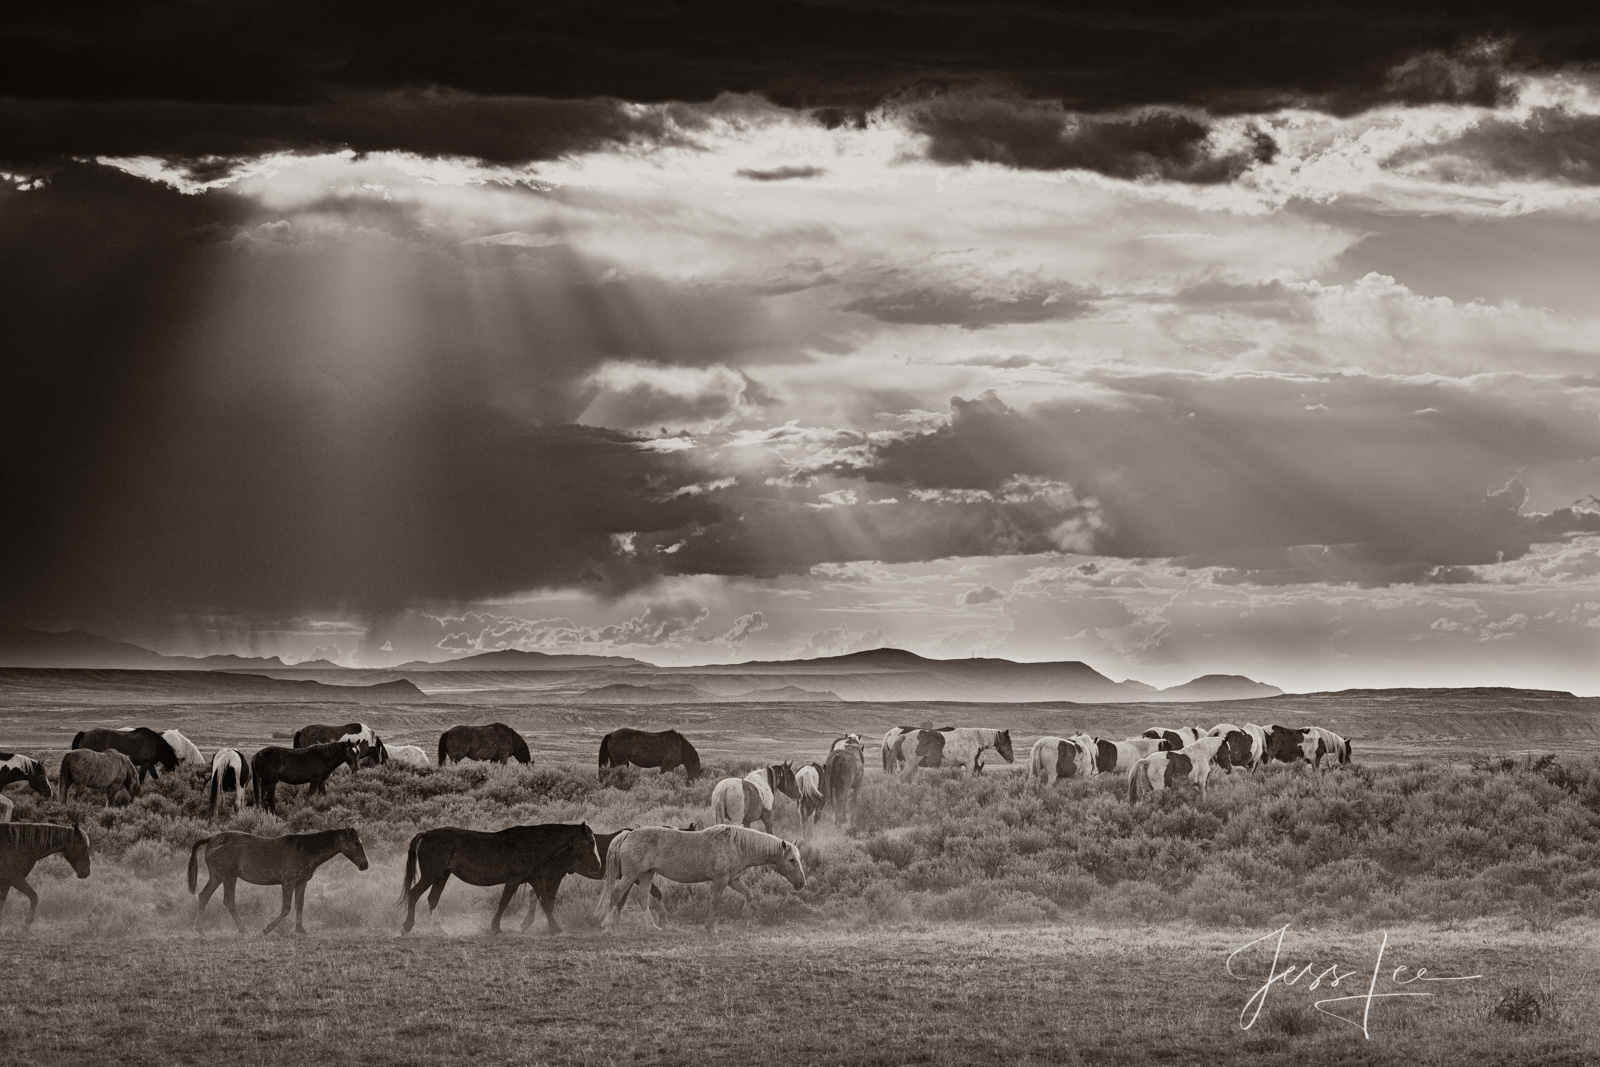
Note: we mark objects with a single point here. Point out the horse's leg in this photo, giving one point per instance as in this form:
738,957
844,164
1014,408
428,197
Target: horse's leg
434,894
413,895
736,883
229,884
546,894
300,906
212,882
711,911
505,899
33,901
647,894
288,902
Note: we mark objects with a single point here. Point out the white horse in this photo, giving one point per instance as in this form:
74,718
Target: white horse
961,746
1194,762
229,770
719,855
410,755
189,755
1061,757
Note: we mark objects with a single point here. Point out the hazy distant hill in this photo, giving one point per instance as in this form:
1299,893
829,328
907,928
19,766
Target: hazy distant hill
517,659
1217,687
74,648
76,685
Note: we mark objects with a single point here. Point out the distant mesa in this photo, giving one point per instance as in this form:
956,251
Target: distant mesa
789,694
517,659
1219,687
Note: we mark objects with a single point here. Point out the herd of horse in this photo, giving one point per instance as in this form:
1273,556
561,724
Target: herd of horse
540,857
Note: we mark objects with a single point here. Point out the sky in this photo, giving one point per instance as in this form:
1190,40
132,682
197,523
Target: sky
1177,339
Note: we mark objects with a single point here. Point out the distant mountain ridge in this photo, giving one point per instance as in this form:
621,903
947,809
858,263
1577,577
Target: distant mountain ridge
515,675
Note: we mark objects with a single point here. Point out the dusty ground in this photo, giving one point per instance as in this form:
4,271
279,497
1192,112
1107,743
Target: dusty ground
939,995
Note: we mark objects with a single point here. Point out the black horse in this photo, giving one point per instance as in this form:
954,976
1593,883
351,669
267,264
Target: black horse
368,744
289,861
146,748
22,844
496,743
309,766
537,856
666,749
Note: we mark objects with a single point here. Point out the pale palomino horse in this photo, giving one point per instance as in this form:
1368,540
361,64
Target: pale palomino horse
961,746
230,771
1161,770
808,780
742,801
409,756
1053,758
22,844
719,855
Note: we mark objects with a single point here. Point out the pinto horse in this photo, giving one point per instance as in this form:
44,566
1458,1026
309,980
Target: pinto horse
961,746
1054,758
842,775
1118,757
309,766
538,856
1167,767
88,769
495,742
22,844
719,855
741,801
1175,738
665,749
230,772
1241,745
369,745
1288,744
289,861
15,767
1331,745
146,748
893,758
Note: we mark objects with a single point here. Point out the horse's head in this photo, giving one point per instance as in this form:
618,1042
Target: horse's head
1002,745
77,851
584,855
379,750
783,779
691,762
351,755
788,864
350,845
37,779
130,782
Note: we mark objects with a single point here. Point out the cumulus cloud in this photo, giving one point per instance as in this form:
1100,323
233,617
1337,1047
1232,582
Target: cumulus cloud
983,594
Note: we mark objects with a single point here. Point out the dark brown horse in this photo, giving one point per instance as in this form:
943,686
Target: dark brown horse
536,856
15,767
841,780
289,861
146,748
369,745
298,766
665,749
88,769
495,742
22,844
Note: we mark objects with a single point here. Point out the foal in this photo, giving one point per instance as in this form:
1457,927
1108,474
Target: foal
289,861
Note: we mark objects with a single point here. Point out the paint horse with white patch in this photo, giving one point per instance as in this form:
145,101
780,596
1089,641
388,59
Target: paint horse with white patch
1331,745
288,861
719,855
1166,768
1288,744
961,746
741,801
536,856
15,767
22,844
1054,758
893,757
1242,749
230,772
1175,737
1119,757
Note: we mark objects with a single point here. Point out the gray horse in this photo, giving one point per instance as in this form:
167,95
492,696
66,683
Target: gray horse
88,769
719,855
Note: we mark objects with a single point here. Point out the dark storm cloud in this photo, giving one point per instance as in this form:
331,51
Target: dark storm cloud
159,460
782,174
1552,144
209,135
260,73
1272,475
1032,135
930,305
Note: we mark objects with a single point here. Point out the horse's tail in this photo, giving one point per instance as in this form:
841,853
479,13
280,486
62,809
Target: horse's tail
411,869
194,863
444,749
883,751
605,753
722,807
77,739
216,785
1133,779
66,777
609,876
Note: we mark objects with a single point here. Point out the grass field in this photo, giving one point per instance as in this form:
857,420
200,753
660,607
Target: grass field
939,994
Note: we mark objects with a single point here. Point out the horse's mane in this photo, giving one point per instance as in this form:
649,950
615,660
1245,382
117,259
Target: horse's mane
751,844
37,835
